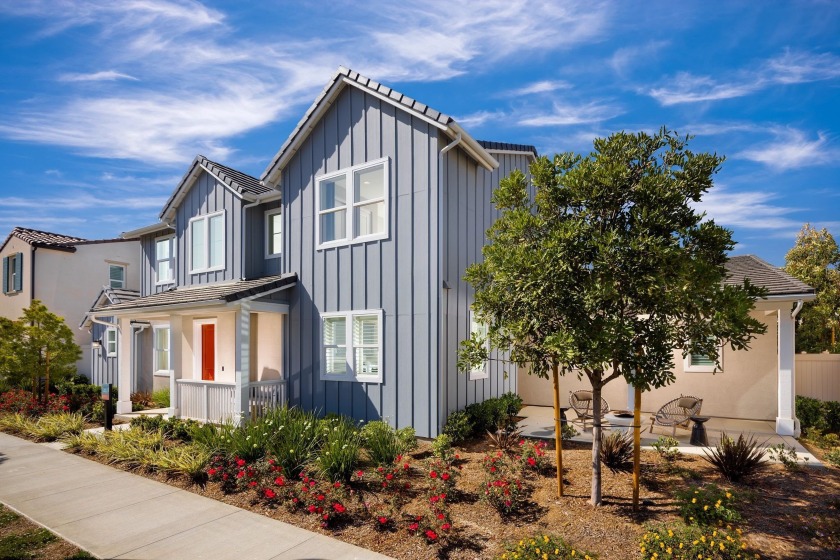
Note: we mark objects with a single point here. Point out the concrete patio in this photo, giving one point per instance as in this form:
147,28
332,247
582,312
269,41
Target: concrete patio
538,422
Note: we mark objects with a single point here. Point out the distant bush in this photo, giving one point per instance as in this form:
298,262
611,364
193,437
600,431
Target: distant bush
491,415
822,415
459,426
383,443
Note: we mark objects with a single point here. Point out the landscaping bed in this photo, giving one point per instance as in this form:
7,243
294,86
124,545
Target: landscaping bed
20,539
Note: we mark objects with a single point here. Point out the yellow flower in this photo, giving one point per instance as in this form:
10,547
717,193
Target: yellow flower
668,550
545,556
545,538
728,495
693,500
721,546
670,533
705,508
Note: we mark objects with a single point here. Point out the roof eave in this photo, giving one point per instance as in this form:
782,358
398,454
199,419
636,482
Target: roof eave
154,228
472,147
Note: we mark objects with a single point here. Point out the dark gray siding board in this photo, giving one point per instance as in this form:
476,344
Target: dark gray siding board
103,369
395,274
468,213
207,196
148,275
254,244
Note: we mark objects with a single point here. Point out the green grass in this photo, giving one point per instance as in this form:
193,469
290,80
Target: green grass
26,544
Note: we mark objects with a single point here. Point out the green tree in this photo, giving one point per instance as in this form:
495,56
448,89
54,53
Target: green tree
815,259
608,268
37,348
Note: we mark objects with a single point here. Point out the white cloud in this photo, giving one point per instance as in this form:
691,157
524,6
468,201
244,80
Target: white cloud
563,114
791,150
103,76
788,68
83,201
543,86
746,209
626,58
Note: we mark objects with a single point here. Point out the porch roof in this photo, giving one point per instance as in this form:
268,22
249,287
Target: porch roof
761,273
212,294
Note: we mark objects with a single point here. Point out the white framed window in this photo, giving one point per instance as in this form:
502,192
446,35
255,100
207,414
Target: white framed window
207,243
116,276
479,329
165,260
701,363
273,233
352,346
110,342
353,204
161,342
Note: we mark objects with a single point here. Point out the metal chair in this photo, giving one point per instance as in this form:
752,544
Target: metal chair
581,402
676,413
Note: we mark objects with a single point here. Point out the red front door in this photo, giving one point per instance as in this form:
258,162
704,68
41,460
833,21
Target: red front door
208,352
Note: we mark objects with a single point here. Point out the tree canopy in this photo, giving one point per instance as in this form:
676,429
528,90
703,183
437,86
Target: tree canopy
815,259
603,266
37,346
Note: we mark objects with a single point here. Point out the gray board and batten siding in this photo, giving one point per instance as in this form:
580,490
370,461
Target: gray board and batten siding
103,369
467,215
398,274
148,273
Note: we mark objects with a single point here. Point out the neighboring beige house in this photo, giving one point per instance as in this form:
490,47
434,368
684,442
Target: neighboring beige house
66,273
757,384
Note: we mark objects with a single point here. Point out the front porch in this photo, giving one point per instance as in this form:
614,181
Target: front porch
215,402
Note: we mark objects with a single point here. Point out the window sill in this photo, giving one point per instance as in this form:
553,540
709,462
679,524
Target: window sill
163,374
274,256
167,283
354,241
205,270
377,379
479,376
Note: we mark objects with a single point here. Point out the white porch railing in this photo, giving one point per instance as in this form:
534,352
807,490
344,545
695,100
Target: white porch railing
212,401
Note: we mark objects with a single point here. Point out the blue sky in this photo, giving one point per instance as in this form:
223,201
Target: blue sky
103,104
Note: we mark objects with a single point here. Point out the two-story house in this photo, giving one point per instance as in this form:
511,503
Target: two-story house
65,273
335,281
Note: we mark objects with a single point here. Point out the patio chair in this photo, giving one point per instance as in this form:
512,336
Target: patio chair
676,413
581,402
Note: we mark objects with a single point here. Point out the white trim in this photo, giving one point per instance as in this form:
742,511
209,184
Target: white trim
145,230
268,215
206,219
688,367
171,258
268,307
161,372
198,350
397,104
511,152
108,353
233,191
350,204
351,374
484,373
124,268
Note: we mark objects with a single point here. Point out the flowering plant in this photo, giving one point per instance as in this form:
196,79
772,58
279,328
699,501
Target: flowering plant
682,542
507,495
707,505
441,476
322,498
27,403
532,455
436,523
544,548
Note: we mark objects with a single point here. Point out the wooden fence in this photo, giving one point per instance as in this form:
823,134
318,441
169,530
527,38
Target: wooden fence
818,376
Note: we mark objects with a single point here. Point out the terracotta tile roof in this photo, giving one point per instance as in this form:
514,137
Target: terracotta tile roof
507,147
761,273
210,294
44,238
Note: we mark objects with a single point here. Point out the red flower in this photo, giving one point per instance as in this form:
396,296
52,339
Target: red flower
269,493
434,499
440,516
320,497
446,527
225,476
279,481
532,461
360,474
413,527
211,472
240,474
312,509
240,462
389,476
339,508
445,476
405,467
433,474
252,483
383,520
431,535
337,485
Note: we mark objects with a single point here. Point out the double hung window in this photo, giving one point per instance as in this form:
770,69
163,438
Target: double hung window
352,346
207,243
353,204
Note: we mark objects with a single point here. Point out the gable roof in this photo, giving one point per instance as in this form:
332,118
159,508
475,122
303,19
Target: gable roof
211,294
344,77
108,296
46,239
491,146
243,185
761,273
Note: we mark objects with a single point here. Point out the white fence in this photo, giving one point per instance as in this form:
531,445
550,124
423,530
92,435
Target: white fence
818,376
211,401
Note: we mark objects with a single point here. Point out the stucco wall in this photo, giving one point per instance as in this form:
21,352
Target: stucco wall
266,346
12,305
746,388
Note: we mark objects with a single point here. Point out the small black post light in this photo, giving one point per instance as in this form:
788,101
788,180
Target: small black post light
109,407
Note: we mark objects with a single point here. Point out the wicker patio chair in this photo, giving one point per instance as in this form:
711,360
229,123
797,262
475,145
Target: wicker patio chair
581,402
676,413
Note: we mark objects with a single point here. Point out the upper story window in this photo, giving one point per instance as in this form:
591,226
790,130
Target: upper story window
353,204
165,260
479,330
273,233
352,346
116,275
207,243
13,273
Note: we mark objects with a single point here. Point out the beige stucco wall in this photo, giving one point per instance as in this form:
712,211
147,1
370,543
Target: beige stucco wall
746,388
12,305
266,346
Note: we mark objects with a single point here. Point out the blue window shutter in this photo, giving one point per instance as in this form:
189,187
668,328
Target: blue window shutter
19,272
5,275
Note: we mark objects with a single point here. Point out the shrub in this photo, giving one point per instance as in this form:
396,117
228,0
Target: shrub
488,416
511,403
823,441
28,403
435,524
441,476
568,431
148,422
49,427
681,542
160,398
736,459
82,396
141,400
408,438
813,413
532,455
833,457
707,505
293,437
248,441
339,452
666,447
189,460
442,447
617,451
325,499
208,436
785,455
459,426
505,439
544,547
505,493
382,442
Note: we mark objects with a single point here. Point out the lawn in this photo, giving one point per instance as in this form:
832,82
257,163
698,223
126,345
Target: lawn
21,539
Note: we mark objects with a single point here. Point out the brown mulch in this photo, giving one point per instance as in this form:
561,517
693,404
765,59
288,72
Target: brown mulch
15,525
786,514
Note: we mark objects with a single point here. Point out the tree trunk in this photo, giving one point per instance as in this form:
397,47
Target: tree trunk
595,500
558,429
637,444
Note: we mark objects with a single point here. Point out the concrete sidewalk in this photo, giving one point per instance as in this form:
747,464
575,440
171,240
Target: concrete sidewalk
115,514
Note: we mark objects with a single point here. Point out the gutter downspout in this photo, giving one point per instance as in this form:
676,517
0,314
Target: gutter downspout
443,389
270,197
797,309
32,273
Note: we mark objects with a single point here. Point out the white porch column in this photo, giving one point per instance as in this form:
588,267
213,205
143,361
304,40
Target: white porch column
242,357
631,397
786,422
125,352
176,365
